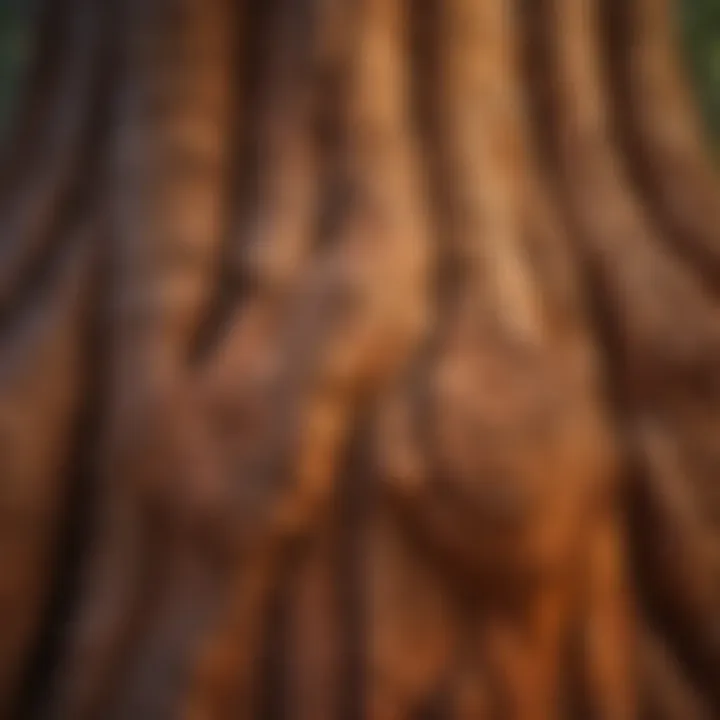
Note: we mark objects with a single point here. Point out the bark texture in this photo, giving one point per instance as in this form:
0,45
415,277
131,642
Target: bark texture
359,359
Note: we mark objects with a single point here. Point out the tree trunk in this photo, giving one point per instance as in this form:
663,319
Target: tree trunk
359,359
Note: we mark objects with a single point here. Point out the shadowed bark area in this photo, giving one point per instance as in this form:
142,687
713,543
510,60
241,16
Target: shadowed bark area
359,358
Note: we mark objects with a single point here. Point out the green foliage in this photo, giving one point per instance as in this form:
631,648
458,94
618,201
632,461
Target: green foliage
701,26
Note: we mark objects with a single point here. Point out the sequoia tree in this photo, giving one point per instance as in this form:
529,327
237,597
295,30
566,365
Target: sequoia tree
359,358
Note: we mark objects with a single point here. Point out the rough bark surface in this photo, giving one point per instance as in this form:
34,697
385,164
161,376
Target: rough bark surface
359,358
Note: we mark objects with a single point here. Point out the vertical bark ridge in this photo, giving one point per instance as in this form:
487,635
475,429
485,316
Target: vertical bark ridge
272,244
166,188
659,359
372,319
172,133
483,502
481,126
460,369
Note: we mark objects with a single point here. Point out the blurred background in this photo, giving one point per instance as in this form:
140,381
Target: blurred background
700,20
15,23
701,26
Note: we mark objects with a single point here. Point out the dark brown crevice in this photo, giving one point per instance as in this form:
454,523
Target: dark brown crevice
353,510
253,19
230,285
276,199
668,692
35,207
74,529
43,386
312,650
682,622
272,664
79,200
273,239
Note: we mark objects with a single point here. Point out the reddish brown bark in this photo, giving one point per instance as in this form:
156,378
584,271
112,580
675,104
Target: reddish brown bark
368,351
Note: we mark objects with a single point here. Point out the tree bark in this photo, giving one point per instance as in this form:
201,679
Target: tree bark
359,358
